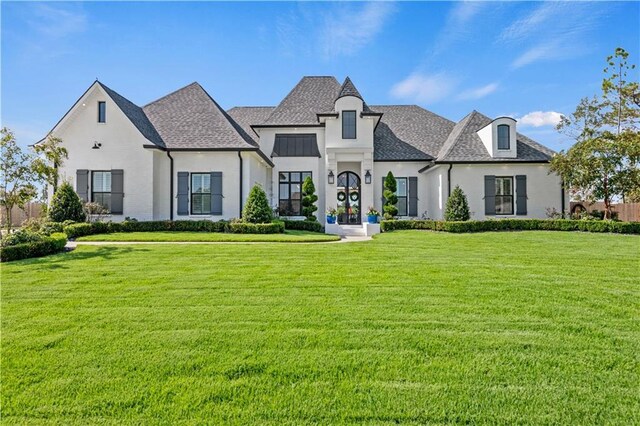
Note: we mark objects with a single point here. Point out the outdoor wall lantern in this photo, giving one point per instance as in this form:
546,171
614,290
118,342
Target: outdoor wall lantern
331,177
367,177
96,145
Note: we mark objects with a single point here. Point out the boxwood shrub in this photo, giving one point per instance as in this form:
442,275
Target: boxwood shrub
81,229
256,228
47,245
514,225
303,225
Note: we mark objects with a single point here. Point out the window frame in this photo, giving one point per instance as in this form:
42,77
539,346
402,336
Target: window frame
93,200
508,136
501,197
289,183
102,112
355,124
191,194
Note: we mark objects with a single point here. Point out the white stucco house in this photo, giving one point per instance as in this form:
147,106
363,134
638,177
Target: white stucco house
184,157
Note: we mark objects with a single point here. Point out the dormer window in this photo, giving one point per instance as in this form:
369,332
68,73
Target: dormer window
102,112
503,137
348,124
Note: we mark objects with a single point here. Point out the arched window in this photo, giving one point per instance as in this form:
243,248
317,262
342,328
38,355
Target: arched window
503,137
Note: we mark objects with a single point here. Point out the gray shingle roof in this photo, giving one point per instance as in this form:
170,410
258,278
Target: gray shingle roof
348,89
310,96
246,116
190,118
409,132
136,115
464,144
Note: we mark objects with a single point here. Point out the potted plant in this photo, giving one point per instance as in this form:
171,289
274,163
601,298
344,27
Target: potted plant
372,215
331,215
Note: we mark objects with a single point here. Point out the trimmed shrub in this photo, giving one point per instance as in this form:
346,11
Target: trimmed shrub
21,236
303,225
514,225
390,198
82,229
457,206
66,205
309,199
47,245
276,227
79,230
256,209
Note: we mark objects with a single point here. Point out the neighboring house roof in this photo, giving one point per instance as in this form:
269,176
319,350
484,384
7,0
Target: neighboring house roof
136,115
312,95
409,132
464,144
190,119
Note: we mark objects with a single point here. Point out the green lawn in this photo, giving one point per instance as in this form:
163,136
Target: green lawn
288,236
412,327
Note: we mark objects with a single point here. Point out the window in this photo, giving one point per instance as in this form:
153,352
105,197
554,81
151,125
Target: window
348,124
503,137
504,195
102,112
290,193
200,193
401,192
101,189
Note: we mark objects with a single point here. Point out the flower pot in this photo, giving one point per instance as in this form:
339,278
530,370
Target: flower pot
372,218
331,220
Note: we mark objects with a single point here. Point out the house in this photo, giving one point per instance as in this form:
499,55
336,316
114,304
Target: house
184,157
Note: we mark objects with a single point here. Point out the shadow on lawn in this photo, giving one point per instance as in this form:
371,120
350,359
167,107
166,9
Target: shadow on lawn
65,260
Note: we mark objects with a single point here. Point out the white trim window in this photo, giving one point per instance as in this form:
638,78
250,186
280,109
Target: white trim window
504,195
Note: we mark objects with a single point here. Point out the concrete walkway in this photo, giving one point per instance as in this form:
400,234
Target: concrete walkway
344,239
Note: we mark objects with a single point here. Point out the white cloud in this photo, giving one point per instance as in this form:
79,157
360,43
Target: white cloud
423,88
479,92
57,21
551,26
540,118
351,29
456,27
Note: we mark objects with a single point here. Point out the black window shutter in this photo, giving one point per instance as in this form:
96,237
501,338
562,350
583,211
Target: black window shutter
82,184
183,193
521,194
117,193
216,193
490,195
413,196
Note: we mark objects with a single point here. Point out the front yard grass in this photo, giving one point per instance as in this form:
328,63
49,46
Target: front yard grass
412,327
289,236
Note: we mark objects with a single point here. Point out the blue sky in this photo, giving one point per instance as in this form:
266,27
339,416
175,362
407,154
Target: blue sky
530,60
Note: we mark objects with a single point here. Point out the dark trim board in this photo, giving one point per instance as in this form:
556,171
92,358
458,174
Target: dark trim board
256,150
271,126
403,160
506,161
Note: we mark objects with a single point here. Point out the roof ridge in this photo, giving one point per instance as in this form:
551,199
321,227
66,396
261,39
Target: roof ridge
172,93
448,145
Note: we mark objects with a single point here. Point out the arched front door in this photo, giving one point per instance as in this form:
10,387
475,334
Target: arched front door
348,198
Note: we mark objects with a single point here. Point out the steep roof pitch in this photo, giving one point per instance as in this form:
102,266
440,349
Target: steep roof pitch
310,96
348,89
464,144
246,116
190,119
409,132
136,115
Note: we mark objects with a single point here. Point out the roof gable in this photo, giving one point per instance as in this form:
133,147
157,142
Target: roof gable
310,96
190,119
348,89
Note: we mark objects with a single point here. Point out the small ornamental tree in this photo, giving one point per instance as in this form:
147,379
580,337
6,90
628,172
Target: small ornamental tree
51,156
309,199
390,198
256,209
457,206
66,205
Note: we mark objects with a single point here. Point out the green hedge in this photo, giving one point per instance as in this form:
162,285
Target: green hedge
48,245
514,225
256,228
81,229
303,225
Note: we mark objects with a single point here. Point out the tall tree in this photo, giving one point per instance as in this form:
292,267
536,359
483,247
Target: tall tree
16,175
51,156
604,163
